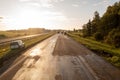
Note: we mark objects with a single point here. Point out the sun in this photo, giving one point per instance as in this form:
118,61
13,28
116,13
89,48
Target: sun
29,17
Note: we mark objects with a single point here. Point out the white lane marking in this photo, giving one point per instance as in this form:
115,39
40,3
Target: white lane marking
88,67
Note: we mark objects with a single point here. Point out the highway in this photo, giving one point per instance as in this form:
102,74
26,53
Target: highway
60,58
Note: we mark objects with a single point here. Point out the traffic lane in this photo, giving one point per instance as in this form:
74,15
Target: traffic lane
30,59
36,68
88,65
66,46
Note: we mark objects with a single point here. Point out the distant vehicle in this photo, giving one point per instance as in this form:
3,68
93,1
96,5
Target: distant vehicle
65,33
17,44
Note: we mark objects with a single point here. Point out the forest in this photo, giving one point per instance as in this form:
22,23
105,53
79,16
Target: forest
105,28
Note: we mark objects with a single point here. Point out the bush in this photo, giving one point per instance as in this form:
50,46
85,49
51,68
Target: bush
117,64
114,38
98,36
115,59
2,36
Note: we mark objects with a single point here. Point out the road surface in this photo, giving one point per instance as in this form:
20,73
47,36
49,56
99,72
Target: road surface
60,58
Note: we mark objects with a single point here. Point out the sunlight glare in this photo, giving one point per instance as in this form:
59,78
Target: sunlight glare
35,52
32,18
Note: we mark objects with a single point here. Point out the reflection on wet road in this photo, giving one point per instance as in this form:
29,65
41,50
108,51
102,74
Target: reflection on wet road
38,64
60,58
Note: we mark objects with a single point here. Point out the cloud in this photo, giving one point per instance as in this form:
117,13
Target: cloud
41,3
46,3
54,16
75,5
46,14
106,1
49,3
34,4
24,0
103,2
80,3
84,2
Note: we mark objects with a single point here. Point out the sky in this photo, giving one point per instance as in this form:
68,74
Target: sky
49,14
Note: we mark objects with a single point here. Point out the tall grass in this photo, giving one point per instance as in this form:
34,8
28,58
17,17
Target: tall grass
7,34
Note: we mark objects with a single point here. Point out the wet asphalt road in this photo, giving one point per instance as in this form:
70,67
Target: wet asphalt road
60,58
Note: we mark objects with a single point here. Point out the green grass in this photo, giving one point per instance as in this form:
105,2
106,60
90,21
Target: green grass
77,33
107,51
6,52
4,49
30,42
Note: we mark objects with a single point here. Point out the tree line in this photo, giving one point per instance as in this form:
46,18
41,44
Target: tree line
105,28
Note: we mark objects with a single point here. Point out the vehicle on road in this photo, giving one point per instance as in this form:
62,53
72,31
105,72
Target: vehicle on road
17,44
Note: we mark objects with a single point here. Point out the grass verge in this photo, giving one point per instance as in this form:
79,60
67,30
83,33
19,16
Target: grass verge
110,53
6,53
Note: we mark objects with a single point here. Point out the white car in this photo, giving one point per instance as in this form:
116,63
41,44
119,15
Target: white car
17,44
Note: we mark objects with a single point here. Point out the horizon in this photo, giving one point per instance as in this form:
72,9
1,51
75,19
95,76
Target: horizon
49,14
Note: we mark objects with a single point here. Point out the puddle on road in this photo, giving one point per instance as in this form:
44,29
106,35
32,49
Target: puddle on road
58,77
35,52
